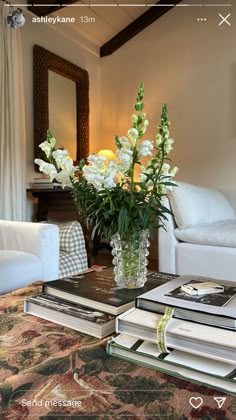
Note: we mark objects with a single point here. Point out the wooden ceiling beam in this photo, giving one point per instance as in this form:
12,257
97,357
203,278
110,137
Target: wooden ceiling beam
46,10
146,19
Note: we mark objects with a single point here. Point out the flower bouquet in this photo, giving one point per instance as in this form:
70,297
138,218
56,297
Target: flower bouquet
122,198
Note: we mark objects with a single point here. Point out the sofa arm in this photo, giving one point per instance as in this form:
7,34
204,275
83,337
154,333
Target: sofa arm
38,239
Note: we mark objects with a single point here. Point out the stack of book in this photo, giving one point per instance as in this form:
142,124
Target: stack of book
44,181
88,302
200,338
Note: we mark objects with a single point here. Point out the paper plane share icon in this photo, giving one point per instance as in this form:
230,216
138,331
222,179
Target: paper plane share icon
220,401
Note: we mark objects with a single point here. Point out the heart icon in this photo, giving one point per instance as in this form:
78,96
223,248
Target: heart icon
196,402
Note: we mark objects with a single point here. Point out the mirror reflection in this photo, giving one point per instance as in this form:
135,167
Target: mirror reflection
62,111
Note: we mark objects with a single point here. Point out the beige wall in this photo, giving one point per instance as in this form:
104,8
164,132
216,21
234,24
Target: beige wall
192,67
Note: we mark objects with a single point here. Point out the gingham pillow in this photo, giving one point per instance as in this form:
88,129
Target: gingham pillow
73,255
72,264
71,237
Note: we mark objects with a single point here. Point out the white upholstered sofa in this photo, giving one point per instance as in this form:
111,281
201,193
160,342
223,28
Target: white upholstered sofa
39,251
28,252
201,237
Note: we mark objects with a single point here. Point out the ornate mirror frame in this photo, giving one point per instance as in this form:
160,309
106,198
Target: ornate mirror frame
44,61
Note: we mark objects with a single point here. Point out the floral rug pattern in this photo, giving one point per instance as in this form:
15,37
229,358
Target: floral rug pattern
51,372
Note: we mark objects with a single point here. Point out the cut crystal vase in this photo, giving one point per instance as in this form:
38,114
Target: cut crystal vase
130,259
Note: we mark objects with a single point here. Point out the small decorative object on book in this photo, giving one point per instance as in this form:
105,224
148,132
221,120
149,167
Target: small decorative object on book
206,288
217,309
107,194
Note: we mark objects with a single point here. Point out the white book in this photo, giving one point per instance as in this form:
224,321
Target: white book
42,180
197,369
213,309
191,337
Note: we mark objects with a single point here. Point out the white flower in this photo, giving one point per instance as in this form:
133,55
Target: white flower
165,168
165,132
109,183
111,169
134,119
143,126
142,177
174,171
125,142
61,157
47,148
97,160
144,148
46,168
110,175
126,158
149,184
133,134
168,145
64,178
93,176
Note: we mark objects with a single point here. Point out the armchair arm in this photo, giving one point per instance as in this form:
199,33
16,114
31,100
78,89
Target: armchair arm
167,244
38,239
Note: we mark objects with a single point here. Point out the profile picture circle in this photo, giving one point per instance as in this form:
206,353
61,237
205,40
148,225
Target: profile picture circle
16,19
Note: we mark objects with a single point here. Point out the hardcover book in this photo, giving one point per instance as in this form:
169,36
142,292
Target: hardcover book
213,309
98,290
197,369
190,337
77,317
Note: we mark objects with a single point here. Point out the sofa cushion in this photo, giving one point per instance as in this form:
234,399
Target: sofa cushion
221,233
17,269
194,205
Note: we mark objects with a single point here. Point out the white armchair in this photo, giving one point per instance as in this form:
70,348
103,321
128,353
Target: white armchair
201,237
28,252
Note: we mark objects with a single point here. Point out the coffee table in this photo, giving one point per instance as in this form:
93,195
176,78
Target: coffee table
48,369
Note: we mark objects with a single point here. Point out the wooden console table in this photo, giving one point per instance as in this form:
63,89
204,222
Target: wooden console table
56,200
52,199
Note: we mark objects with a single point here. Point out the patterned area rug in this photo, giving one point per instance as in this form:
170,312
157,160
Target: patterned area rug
49,371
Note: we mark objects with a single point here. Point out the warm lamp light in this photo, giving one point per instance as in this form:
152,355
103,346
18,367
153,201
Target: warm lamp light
109,154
